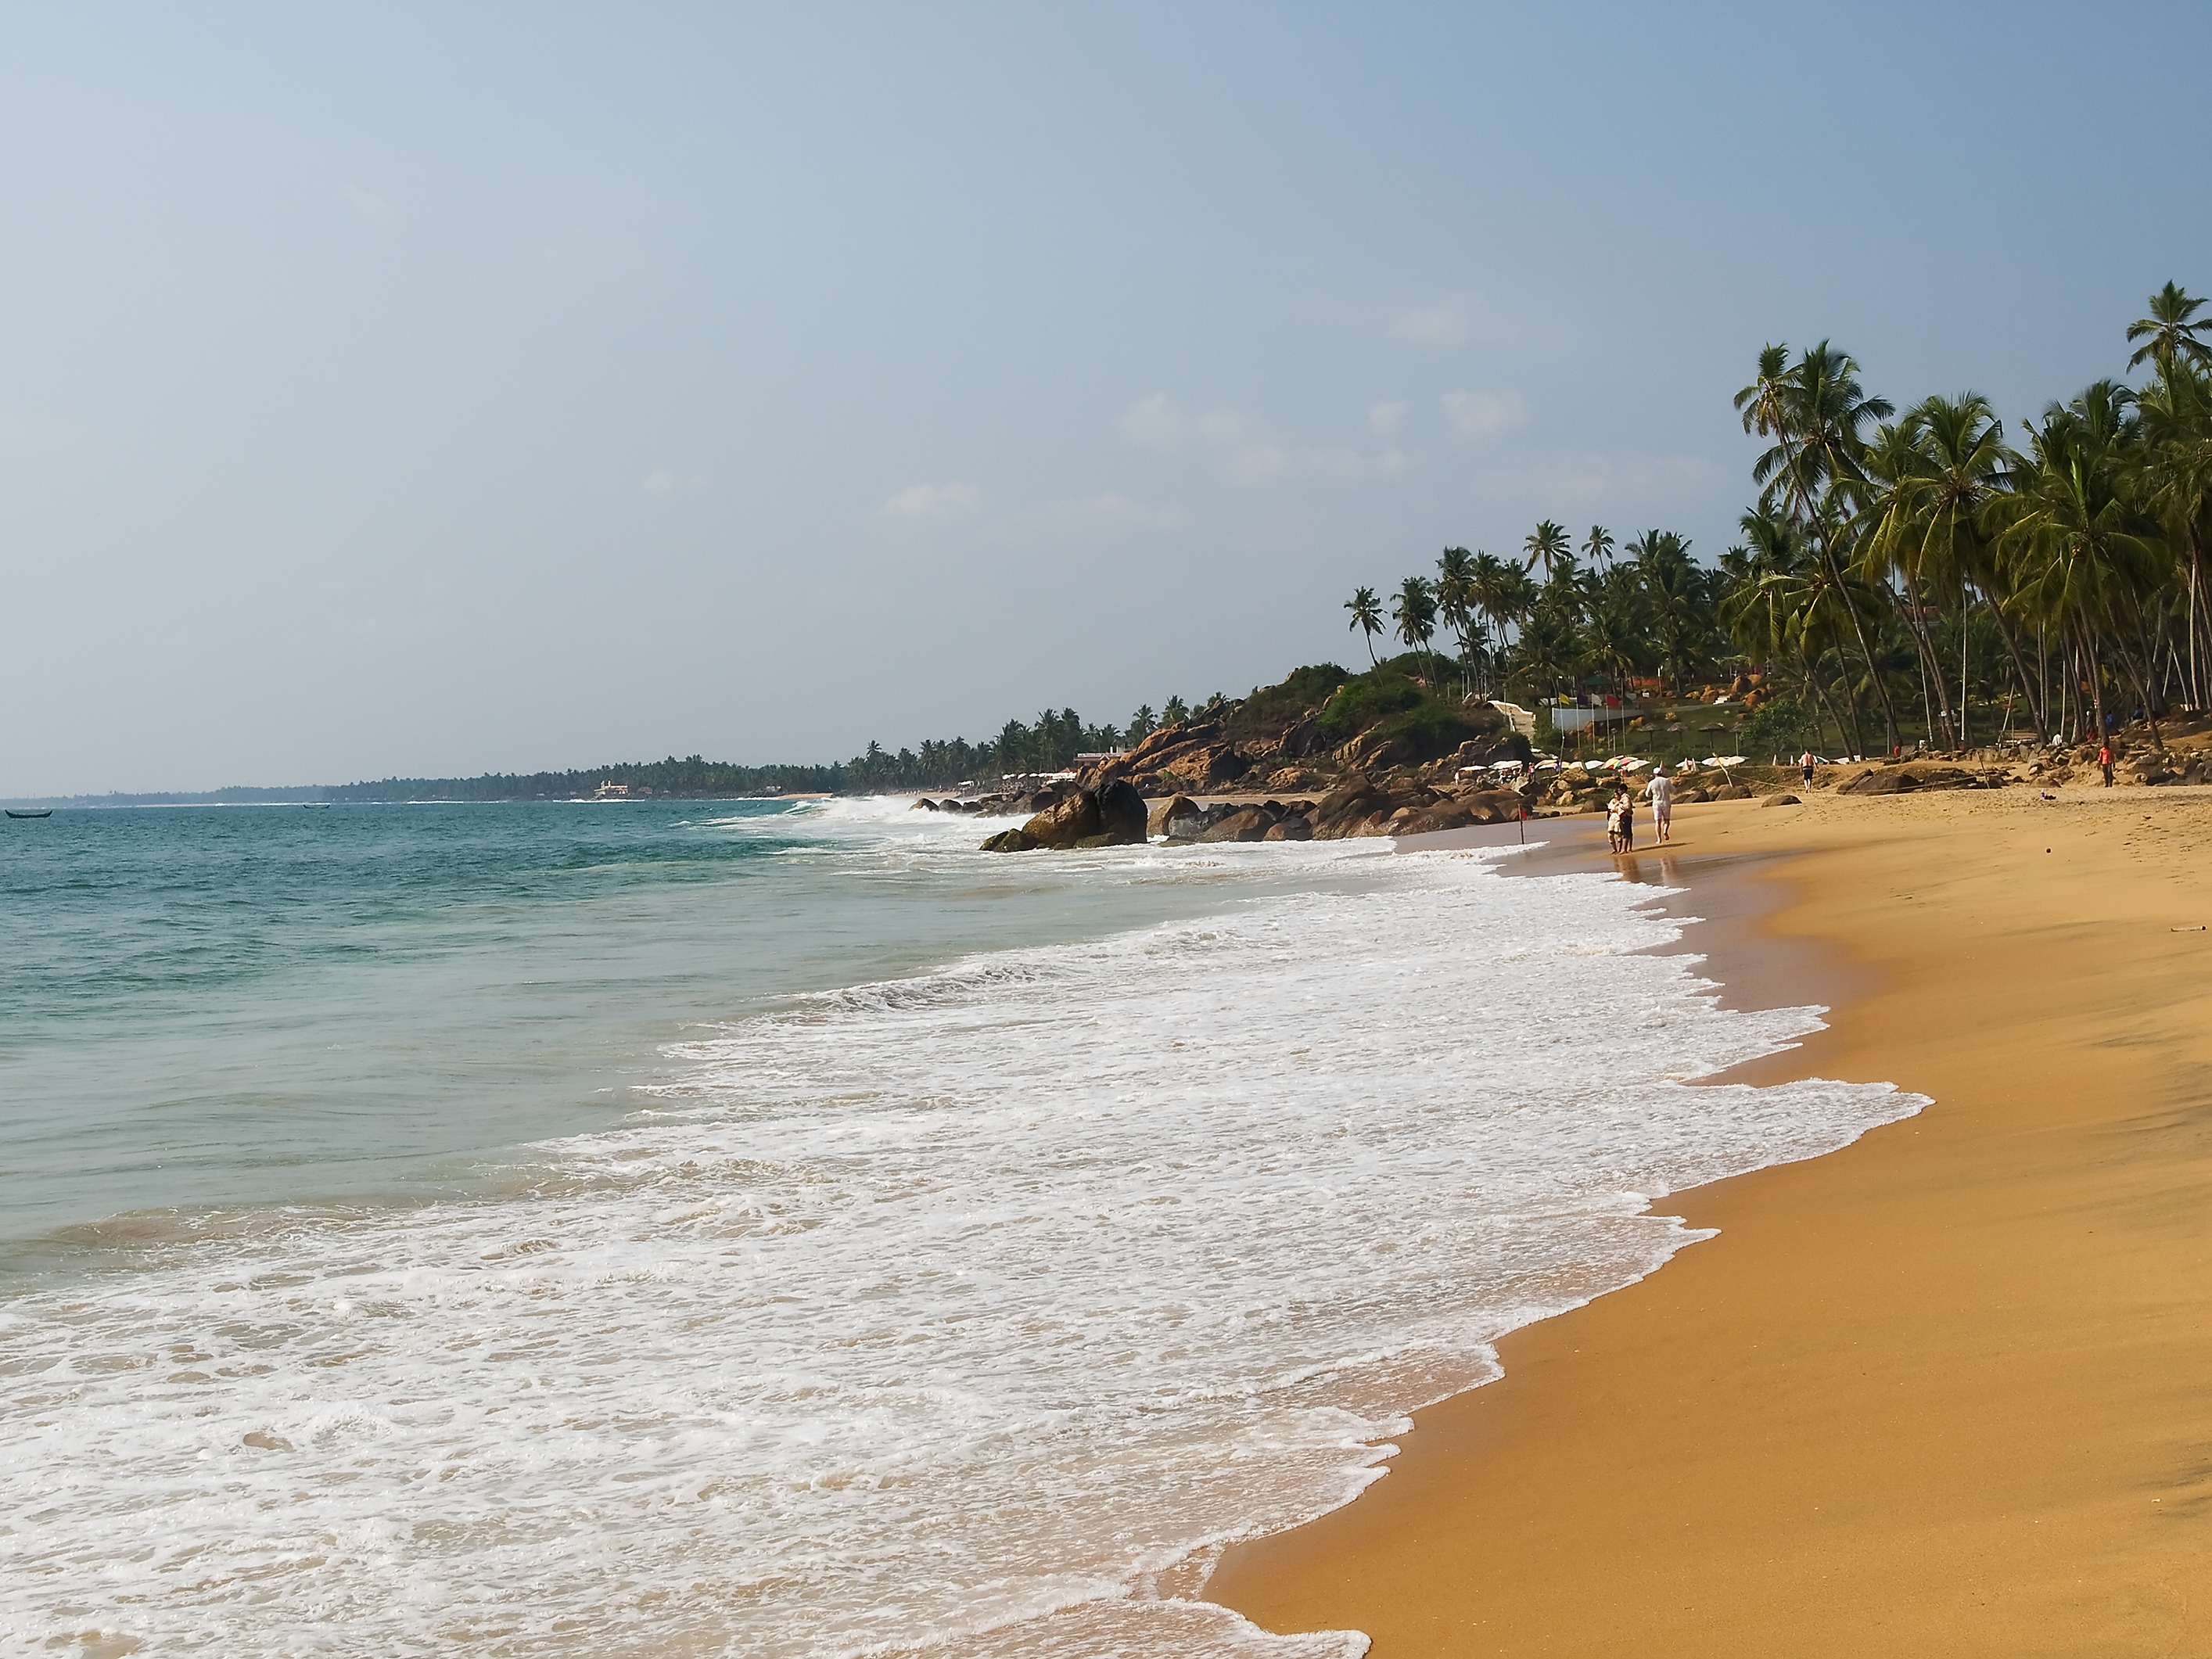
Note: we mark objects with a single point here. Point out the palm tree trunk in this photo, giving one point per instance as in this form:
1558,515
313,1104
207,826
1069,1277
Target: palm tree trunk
1931,666
1865,651
1966,653
2019,668
1851,684
2142,679
1821,703
2088,647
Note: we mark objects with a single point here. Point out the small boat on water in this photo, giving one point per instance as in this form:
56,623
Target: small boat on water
43,812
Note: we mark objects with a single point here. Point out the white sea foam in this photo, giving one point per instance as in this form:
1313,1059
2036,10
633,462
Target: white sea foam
973,1309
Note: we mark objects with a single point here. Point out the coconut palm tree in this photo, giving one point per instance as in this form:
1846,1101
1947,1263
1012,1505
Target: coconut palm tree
1672,598
1928,477
1414,612
2169,333
1366,617
1519,594
1616,638
1597,547
2082,554
1814,410
2174,485
1546,545
1456,603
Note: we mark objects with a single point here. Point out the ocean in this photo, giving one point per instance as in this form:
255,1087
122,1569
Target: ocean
702,1228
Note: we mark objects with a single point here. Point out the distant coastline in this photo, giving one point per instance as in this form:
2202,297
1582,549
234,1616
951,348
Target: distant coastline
692,779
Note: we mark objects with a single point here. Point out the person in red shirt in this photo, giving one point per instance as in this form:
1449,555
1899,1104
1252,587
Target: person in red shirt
2104,760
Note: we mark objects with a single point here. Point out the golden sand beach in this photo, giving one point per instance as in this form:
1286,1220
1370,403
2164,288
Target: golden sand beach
1946,1391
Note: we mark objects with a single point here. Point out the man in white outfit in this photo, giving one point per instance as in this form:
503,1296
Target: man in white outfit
1660,793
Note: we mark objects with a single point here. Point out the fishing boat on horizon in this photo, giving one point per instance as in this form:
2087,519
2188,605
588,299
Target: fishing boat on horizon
43,812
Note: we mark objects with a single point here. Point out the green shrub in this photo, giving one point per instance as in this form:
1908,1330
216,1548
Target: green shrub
1367,701
1433,728
1270,708
1778,727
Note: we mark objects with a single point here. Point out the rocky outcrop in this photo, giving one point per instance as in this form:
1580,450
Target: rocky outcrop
1111,817
1122,814
1178,817
1373,750
1785,799
1902,780
1463,812
1245,823
1209,766
1066,821
1158,750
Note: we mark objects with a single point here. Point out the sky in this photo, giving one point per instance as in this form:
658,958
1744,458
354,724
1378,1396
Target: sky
435,390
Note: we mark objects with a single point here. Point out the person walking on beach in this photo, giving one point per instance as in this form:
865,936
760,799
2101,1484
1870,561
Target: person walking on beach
1613,810
1628,819
1660,792
2104,762
1805,765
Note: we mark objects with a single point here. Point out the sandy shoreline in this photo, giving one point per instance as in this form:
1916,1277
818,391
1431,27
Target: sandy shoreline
1947,1390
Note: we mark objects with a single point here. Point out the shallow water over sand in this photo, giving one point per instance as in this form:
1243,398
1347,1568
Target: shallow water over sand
912,1284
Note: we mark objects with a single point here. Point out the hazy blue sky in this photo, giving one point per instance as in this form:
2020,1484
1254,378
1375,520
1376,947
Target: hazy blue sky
432,390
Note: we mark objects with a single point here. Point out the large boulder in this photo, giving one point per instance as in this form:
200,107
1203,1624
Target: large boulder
1901,780
1877,781
1463,812
1210,766
1122,816
924,805
1302,738
1159,748
1111,817
1292,828
1178,816
1373,749
1065,821
1244,823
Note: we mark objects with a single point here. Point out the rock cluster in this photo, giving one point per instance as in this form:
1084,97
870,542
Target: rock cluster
1112,815
1920,775
1206,756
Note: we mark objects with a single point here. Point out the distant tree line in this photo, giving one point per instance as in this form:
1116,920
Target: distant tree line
693,776
1051,745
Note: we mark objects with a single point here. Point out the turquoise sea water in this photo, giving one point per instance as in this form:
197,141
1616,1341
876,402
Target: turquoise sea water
218,1005
782,1228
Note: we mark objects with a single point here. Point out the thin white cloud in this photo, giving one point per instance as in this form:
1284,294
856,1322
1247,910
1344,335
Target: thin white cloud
1480,417
1241,450
929,500
667,481
1154,422
1587,480
373,207
1385,419
1445,327
1112,516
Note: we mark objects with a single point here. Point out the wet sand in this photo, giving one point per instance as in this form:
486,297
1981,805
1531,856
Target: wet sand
1948,1391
